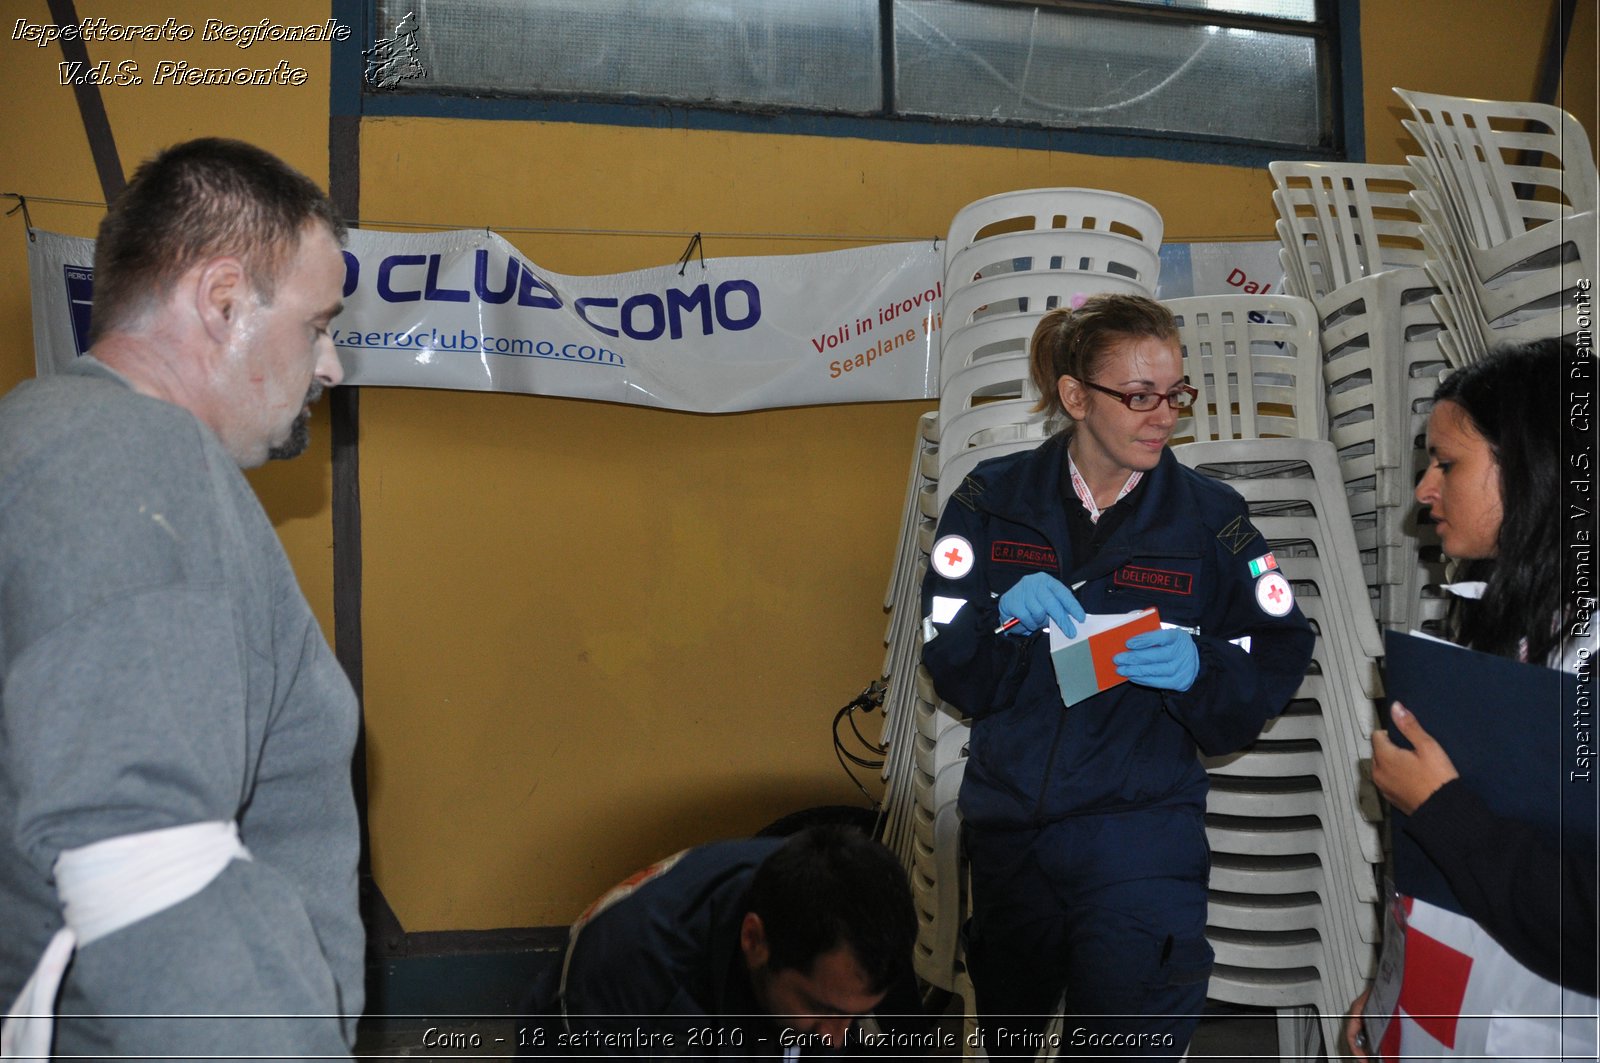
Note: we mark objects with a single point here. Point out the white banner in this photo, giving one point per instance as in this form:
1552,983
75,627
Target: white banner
464,310
1245,267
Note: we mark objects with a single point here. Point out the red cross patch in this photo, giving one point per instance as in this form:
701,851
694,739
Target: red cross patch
951,557
1274,595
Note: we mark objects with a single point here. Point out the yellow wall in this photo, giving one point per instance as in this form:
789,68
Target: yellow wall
596,633
1489,49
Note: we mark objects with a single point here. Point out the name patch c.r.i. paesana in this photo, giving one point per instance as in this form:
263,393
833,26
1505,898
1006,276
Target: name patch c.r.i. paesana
1012,553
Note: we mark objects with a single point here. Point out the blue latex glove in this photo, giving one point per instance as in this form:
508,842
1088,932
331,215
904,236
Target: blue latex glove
1167,659
1038,598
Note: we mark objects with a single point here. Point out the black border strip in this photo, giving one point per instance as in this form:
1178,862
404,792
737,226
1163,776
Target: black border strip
385,936
1555,51
96,126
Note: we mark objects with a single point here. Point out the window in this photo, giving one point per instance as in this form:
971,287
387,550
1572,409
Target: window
1122,69
814,54
1262,73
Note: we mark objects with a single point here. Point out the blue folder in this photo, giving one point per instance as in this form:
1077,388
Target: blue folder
1510,731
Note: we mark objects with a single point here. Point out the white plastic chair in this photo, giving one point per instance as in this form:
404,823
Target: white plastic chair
1385,340
1256,362
926,439
1359,214
1309,1016
1437,200
1297,257
1377,332
933,794
991,336
1304,470
1348,884
996,316
1280,836
902,600
1053,208
1522,304
934,753
1054,251
1329,759
989,379
1266,875
994,422
1280,913
938,897
1493,150
938,718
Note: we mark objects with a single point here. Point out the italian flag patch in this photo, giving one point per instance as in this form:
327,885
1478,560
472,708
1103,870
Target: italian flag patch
1264,563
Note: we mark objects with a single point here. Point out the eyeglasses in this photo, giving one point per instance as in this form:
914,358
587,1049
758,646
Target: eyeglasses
1179,398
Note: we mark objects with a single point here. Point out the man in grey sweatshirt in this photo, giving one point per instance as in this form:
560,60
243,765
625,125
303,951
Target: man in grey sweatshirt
176,815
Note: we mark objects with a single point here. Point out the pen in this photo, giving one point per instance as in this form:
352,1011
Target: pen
1014,621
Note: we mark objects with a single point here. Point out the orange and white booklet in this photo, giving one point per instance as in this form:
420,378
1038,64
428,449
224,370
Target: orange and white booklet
1083,662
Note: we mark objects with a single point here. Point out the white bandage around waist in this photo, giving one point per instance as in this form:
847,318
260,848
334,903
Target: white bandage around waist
107,886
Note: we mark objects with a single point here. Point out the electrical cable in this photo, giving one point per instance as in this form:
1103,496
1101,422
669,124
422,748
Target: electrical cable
867,700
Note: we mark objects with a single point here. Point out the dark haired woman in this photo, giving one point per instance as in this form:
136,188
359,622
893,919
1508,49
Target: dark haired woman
1516,974
1084,825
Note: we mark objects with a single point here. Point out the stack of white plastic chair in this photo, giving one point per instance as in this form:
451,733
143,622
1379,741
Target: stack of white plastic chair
900,663
1354,238
1293,912
1009,258
1507,193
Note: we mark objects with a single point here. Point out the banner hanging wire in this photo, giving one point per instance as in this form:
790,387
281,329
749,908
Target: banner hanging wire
22,205
677,234
560,230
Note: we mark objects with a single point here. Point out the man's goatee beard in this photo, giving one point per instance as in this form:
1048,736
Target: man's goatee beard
299,432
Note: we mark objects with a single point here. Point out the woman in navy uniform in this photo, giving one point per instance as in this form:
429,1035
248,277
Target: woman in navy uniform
1084,826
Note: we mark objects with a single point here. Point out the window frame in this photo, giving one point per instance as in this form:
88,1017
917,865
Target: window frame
1338,25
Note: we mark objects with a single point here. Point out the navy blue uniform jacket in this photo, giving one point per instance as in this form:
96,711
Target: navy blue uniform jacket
1186,548
660,953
